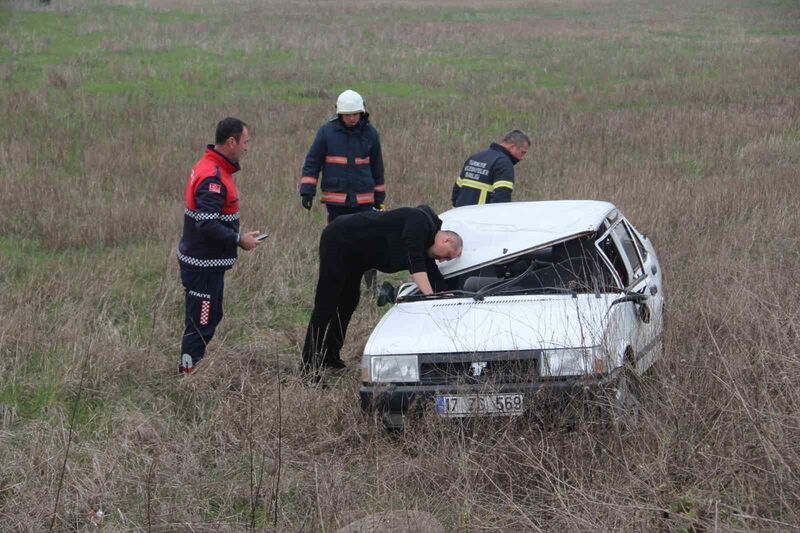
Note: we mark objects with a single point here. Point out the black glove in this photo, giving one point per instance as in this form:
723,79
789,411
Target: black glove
308,199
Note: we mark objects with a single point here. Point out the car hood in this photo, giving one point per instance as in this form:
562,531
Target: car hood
500,323
498,232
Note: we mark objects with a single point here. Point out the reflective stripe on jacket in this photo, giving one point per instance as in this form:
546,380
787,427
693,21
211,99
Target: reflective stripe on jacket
351,163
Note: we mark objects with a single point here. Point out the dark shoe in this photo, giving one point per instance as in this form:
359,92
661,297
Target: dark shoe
387,294
334,363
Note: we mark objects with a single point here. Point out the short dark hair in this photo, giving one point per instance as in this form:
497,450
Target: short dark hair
229,127
458,242
517,138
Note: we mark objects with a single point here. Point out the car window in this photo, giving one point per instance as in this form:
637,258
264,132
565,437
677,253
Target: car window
611,251
623,237
637,241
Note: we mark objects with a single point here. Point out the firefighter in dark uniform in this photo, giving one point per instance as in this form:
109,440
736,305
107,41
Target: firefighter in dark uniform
347,149
407,238
210,237
488,176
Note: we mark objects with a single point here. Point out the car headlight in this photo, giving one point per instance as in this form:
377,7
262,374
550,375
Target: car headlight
572,362
394,368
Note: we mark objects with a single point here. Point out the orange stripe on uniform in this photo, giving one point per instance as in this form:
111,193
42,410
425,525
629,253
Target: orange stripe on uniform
362,160
311,180
334,197
336,159
366,198
380,188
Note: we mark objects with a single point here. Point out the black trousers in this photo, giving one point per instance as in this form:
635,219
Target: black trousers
370,276
336,299
203,307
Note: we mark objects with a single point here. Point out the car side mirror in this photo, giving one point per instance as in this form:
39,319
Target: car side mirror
633,297
386,294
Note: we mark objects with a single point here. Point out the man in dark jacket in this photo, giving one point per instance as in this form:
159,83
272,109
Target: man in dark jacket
407,238
347,149
210,237
488,176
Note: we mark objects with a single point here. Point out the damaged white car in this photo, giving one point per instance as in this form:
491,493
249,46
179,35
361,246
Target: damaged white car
547,298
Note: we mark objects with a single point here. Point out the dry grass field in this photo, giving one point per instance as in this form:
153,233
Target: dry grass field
686,114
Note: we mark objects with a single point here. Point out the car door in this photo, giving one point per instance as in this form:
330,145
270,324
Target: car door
653,347
629,324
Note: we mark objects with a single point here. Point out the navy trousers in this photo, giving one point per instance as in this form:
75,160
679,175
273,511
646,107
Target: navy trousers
203,310
339,210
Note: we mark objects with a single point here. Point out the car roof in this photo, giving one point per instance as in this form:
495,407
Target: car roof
494,232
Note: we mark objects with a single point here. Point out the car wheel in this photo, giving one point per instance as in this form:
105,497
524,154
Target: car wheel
393,422
626,400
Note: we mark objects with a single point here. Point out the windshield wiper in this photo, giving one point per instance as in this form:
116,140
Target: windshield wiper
436,295
526,290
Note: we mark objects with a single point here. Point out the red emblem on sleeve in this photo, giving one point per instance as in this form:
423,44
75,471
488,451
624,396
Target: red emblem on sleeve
215,187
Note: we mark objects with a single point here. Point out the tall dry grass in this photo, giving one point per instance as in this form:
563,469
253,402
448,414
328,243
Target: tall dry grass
683,114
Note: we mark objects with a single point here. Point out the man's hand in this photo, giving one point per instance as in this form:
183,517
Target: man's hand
308,199
247,241
422,281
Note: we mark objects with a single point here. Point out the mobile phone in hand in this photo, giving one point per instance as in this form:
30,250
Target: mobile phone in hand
262,237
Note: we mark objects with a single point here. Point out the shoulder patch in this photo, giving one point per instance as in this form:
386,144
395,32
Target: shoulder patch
215,187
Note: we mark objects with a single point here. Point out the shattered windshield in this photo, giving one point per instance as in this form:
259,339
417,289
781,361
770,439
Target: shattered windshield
573,266
570,267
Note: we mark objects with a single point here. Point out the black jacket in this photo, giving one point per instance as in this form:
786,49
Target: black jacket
390,241
351,163
487,177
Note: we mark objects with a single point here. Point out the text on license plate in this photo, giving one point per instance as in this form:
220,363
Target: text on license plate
480,404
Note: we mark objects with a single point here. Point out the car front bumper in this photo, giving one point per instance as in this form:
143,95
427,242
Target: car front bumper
402,398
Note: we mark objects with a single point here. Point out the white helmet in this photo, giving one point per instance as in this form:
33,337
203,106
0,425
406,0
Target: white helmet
349,102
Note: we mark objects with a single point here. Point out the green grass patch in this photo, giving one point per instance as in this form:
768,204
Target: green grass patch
769,4
681,35
21,258
775,32
489,16
30,400
289,316
568,14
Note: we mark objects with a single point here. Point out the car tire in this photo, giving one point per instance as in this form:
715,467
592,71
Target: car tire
393,422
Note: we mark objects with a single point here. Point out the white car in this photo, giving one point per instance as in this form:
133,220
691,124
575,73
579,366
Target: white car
547,297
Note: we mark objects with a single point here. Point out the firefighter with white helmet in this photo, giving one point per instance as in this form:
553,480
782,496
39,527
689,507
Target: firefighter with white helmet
347,151
349,102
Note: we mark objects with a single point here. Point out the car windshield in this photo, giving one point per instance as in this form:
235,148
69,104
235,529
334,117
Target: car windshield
566,268
570,267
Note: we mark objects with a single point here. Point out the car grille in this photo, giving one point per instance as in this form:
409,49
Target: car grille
514,371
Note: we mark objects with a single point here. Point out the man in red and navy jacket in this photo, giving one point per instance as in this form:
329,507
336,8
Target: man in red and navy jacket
211,237
347,149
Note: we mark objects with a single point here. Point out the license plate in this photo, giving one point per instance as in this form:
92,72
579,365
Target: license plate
479,404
